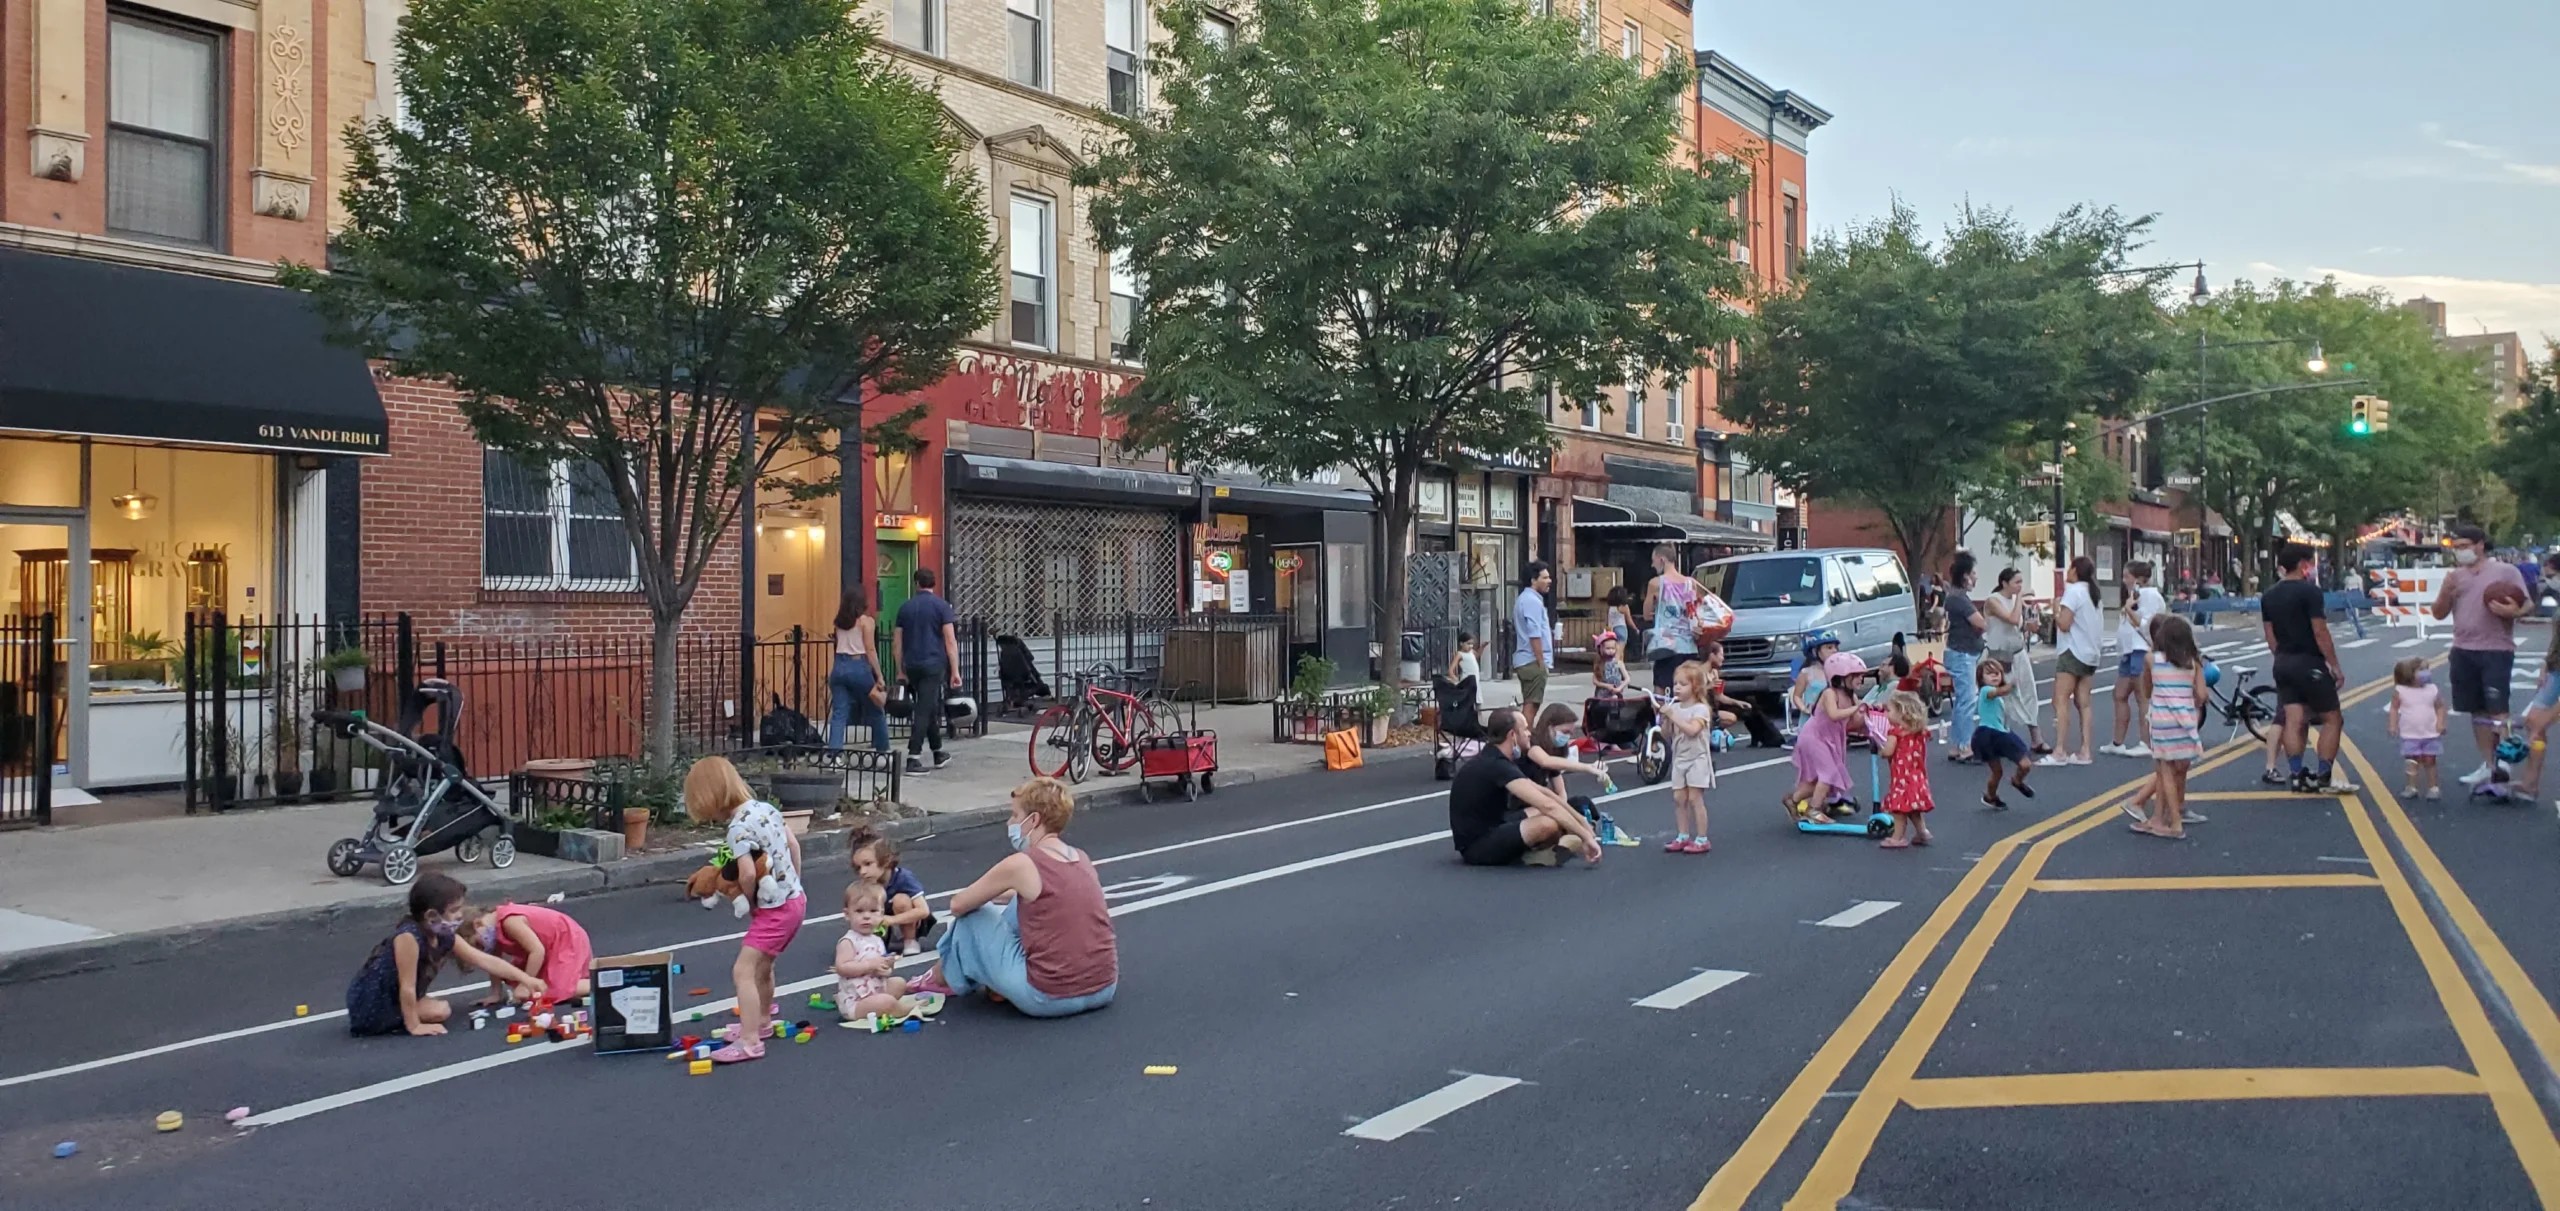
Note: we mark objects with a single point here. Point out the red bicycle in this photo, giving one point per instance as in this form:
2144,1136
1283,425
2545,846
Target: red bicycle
1107,724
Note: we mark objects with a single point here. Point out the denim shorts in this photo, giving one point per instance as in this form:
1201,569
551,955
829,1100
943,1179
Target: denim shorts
2546,695
2130,664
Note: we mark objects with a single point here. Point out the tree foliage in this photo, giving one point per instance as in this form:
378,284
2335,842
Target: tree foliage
1907,376
1373,232
624,229
2527,455
2292,453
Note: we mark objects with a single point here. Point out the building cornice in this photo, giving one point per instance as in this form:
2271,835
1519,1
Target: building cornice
1782,113
143,253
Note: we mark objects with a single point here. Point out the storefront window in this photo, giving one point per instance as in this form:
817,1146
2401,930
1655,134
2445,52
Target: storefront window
1470,504
1431,501
44,473
1506,503
174,532
1347,585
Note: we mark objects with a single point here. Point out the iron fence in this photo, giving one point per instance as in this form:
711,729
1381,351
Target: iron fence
793,671
250,687
1210,656
31,719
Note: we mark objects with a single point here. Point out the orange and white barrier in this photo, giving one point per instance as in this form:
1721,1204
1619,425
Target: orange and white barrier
2406,596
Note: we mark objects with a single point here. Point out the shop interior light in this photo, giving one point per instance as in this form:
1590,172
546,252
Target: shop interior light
135,504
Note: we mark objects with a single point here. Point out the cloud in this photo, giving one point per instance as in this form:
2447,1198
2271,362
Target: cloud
2531,309
2506,165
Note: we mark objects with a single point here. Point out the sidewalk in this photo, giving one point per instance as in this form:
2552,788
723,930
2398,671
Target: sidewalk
82,894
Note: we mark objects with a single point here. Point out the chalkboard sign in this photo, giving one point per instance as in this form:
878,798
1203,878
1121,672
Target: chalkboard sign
634,1003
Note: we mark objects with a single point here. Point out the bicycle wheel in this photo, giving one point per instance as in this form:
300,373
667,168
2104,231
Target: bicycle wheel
1080,747
2258,711
1116,748
1053,741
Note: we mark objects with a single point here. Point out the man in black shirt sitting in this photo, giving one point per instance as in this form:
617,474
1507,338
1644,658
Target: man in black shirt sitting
2295,618
1501,814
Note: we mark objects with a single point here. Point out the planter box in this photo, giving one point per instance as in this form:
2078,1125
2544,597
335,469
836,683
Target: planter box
540,842
592,845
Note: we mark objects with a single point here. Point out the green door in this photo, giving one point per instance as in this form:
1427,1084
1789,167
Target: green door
896,582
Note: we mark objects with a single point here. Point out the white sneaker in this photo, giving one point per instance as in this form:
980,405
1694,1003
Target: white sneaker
2112,750
2134,750
2476,777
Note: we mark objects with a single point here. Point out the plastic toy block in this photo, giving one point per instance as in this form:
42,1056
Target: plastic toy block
1161,1070
781,1030
65,1149
817,1001
702,1051
675,969
170,1120
911,1025
505,1012
686,1042
699,1068
697,992
678,1055
235,1114
802,1037
302,1011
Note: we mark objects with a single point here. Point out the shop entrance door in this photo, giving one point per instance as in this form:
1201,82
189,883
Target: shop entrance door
44,569
897,583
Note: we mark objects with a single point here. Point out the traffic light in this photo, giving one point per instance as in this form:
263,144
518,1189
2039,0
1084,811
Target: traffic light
2360,416
2378,410
2034,533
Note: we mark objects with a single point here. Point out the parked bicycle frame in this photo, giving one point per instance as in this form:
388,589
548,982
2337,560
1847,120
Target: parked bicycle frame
1108,722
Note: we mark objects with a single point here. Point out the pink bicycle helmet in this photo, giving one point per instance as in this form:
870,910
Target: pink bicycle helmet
1843,664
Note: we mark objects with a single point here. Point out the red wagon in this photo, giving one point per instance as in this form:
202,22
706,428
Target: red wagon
1187,760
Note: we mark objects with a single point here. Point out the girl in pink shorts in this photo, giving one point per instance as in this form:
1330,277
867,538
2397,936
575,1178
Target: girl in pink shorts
768,859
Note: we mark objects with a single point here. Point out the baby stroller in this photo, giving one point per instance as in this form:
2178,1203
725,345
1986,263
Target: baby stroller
1618,725
427,802
1461,728
1019,674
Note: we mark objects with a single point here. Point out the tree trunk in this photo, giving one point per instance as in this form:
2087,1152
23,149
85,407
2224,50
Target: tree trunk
662,686
1395,538
1918,535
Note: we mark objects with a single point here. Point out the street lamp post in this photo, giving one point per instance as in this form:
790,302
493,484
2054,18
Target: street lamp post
2316,364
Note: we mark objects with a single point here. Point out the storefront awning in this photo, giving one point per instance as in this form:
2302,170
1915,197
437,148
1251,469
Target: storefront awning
989,474
93,349
1637,523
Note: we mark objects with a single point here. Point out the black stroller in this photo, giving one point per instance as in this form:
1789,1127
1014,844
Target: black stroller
1020,675
1461,728
427,802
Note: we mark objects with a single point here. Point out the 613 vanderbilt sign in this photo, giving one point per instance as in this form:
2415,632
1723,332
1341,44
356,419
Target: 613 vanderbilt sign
350,440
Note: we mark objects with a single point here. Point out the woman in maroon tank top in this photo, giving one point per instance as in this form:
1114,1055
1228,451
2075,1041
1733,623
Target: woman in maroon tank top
1033,930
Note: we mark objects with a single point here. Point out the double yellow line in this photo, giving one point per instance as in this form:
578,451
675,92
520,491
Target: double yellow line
1835,1170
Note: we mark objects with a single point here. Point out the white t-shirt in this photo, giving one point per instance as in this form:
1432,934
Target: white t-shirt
758,828
2133,626
2081,640
1467,666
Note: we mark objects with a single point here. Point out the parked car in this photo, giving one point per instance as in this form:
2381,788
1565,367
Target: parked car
1860,593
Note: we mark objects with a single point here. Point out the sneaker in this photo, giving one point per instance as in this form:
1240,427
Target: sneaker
2023,789
916,765
2112,750
1698,845
2335,783
2409,791
1994,803
1539,857
2134,750
940,758
2435,792
1676,845
2272,777
2128,807
2189,815
2305,784
2476,777
909,947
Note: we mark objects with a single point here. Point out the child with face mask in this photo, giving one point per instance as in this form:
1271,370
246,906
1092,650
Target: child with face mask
389,994
540,940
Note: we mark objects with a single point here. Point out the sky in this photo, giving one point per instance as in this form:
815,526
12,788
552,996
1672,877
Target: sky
2406,145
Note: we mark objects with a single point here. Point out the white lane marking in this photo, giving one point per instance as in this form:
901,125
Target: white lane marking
2357,861
2353,644
335,1101
2219,648
715,939
1439,1103
1135,888
2408,643
1859,913
1690,989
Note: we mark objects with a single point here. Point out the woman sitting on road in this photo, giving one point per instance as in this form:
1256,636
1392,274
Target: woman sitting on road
1547,758
1034,929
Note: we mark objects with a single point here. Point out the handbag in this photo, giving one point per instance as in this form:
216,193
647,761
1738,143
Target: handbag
1342,749
1710,618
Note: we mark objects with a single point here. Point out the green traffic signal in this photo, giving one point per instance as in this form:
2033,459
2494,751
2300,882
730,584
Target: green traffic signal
2359,426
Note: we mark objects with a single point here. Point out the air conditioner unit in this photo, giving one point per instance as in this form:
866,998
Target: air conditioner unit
1679,435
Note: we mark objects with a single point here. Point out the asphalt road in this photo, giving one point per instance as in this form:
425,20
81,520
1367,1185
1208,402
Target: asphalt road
1359,1021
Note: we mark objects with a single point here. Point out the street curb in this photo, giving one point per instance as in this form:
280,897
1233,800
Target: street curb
673,866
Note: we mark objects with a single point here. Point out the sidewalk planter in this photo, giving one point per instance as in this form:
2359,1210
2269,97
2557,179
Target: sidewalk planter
797,822
1364,708
635,829
548,810
807,790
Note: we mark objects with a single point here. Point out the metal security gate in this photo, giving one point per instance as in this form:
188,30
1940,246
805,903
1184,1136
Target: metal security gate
1022,565
30,718
1441,604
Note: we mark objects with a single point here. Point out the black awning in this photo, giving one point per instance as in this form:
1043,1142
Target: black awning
986,474
103,350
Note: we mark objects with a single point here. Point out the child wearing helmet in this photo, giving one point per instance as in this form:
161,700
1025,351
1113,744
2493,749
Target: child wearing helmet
1818,647
1822,746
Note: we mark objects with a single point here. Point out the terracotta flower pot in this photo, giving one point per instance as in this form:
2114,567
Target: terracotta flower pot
635,828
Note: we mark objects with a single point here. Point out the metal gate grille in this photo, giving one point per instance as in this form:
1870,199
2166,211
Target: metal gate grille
1441,603
1020,564
29,718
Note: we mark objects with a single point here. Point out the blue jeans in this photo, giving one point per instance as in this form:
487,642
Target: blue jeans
984,950
849,683
1964,714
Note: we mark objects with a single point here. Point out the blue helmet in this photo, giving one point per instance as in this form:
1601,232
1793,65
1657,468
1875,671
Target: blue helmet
1819,638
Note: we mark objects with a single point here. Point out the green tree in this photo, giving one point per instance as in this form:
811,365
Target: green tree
2527,455
2292,453
626,230
1907,377
1374,233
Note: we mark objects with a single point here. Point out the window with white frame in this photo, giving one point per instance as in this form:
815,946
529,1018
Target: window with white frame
1027,28
1591,412
1635,404
162,119
1124,304
1123,35
1218,31
1672,391
1631,43
551,525
1591,23
1032,259
916,25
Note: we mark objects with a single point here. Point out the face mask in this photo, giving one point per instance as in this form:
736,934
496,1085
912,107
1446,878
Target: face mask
1563,739
444,928
2426,676
2465,556
488,939
1013,834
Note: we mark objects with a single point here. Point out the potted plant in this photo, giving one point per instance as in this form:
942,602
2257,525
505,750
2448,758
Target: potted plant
321,780
286,735
345,668
1377,706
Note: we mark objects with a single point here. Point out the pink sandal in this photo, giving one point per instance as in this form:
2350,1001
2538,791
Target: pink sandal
1893,843
737,1053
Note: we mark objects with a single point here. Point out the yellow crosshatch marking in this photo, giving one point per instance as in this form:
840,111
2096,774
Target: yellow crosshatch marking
2183,1085
2207,883
1895,1083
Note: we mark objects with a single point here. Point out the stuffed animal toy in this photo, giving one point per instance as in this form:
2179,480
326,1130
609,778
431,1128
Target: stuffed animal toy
725,875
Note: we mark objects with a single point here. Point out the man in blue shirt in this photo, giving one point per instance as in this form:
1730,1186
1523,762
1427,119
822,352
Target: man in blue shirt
926,648
1533,651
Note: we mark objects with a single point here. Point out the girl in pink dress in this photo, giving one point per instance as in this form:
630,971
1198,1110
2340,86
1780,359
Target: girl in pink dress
1906,790
542,941
1822,744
